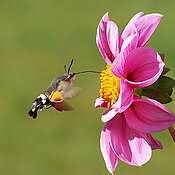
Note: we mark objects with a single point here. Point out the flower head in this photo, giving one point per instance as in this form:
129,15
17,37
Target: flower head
130,119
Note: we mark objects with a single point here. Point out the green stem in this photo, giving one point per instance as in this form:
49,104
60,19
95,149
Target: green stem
172,132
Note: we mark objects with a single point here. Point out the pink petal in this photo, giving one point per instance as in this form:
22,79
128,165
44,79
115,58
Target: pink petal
136,17
130,28
142,67
145,26
118,66
105,18
129,44
109,156
112,37
154,143
129,146
123,102
148,116
102,40
100,103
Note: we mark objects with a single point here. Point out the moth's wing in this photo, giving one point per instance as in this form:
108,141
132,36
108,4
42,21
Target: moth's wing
68,91
56,96
61,106
72,92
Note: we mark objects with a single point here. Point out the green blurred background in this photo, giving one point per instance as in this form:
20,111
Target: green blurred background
37,37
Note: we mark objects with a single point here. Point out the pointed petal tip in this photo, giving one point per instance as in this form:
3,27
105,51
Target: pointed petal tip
140,13
157,14
106,14
105,17
100,103
136,17
111,171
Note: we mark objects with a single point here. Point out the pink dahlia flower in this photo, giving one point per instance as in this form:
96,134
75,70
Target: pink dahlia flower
130,119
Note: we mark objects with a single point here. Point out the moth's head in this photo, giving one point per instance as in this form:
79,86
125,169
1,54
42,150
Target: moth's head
69,77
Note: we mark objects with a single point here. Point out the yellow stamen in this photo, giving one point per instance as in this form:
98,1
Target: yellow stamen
110,86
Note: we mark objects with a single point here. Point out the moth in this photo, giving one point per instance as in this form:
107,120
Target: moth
60,89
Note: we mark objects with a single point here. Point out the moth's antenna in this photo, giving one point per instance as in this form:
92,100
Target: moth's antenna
88,71
70,65
65,68
68,70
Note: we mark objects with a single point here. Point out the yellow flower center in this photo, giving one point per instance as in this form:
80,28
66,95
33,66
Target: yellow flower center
110,86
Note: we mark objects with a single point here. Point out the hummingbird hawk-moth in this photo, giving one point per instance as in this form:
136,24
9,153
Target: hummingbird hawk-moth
60,89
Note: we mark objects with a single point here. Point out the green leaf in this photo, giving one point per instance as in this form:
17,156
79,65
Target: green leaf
164,83
161,90
157,94
165,70
170,92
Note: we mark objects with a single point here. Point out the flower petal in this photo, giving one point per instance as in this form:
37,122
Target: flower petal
145,26
130,146
154,143
142,67
136,17
130,28
112,37
102,41
129,44
109,156
118,66
100,103
123,102
148,116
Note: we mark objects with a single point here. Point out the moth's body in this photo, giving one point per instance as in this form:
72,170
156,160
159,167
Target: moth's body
60,89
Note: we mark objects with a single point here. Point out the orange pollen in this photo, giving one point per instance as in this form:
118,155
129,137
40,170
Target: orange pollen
110,86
